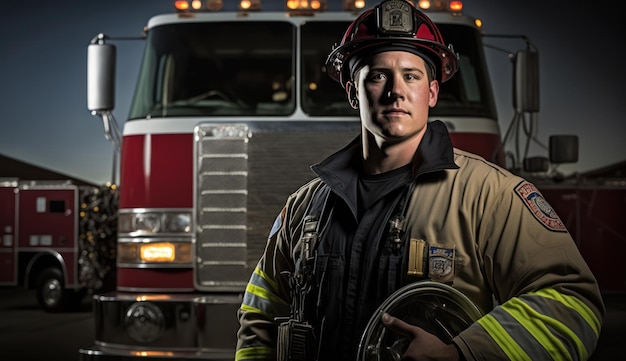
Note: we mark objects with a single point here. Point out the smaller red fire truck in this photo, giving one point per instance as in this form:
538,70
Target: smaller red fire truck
58,238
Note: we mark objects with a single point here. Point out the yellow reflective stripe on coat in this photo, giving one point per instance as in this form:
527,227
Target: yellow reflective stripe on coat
537,325
503,339
575,304
253,353
273,285
543,324
260,297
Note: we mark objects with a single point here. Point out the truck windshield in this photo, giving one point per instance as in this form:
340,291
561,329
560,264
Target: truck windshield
249,69
205,69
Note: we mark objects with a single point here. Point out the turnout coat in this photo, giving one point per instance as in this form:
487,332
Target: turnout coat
485,231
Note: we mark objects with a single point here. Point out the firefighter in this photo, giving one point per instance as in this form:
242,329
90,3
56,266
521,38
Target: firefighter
400,191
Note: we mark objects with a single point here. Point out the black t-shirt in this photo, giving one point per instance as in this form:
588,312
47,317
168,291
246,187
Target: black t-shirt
372,187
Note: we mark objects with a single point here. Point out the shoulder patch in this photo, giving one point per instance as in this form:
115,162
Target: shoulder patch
539,207
278,222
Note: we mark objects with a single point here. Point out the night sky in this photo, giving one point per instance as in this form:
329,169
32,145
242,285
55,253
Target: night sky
44,119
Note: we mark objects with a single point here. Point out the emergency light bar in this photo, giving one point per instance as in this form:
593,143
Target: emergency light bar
215,5
248,5
184,6
314,5
454,6
353,5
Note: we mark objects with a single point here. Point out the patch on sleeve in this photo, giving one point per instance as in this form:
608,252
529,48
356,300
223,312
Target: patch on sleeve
278,222
539,207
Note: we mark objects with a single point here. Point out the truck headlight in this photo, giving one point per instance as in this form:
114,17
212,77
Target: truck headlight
148,223
177,222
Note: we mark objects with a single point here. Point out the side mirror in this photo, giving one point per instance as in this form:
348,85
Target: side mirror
100,76
563,149
526,82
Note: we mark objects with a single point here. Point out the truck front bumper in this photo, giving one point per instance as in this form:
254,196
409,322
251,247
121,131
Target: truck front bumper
157,326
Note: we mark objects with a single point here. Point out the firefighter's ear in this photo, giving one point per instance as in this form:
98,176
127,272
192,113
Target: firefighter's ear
434,93
353,97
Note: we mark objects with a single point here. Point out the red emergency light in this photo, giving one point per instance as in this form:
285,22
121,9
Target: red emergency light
181,5
456,6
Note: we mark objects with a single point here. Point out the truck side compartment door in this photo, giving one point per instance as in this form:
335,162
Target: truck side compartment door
49,225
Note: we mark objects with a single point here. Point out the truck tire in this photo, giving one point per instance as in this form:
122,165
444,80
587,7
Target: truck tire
52,295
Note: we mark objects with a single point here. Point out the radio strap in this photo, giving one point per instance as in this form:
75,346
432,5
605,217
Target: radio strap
296,337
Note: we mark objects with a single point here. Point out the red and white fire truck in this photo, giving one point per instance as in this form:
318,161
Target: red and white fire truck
231,108
57,238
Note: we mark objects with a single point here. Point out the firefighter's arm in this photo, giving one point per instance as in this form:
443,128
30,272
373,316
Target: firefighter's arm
267,294
549,303
265,299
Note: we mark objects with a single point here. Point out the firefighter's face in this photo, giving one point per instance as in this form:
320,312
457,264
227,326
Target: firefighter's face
394,96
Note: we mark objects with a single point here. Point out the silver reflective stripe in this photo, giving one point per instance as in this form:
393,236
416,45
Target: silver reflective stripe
524,340
570,319
260,297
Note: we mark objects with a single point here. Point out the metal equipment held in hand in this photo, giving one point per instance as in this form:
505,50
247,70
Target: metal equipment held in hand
433,306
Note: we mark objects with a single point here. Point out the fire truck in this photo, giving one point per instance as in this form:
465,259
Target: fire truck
57,238
231,107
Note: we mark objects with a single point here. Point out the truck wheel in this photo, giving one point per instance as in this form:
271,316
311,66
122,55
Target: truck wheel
51,293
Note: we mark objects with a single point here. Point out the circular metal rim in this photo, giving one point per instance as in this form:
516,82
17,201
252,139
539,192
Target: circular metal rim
400,297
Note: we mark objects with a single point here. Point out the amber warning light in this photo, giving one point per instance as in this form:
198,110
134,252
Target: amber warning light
438,5
188,6
158,252
201,5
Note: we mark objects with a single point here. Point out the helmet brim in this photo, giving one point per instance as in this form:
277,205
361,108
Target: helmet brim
344,60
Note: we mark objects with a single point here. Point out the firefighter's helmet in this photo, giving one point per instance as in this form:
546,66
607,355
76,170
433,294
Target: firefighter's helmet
391,25
433,306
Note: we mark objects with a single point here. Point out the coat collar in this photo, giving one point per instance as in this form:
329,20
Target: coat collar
340,170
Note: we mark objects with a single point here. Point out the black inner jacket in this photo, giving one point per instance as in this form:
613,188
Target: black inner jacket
356,266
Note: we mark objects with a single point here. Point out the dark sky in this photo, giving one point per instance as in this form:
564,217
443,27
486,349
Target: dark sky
44,119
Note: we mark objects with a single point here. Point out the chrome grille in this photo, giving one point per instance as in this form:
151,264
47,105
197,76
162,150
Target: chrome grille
221,206
243,181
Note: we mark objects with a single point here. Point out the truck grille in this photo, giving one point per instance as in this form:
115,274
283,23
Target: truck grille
244,174
221,201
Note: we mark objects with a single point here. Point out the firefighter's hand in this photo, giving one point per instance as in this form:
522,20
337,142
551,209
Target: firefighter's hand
424,345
